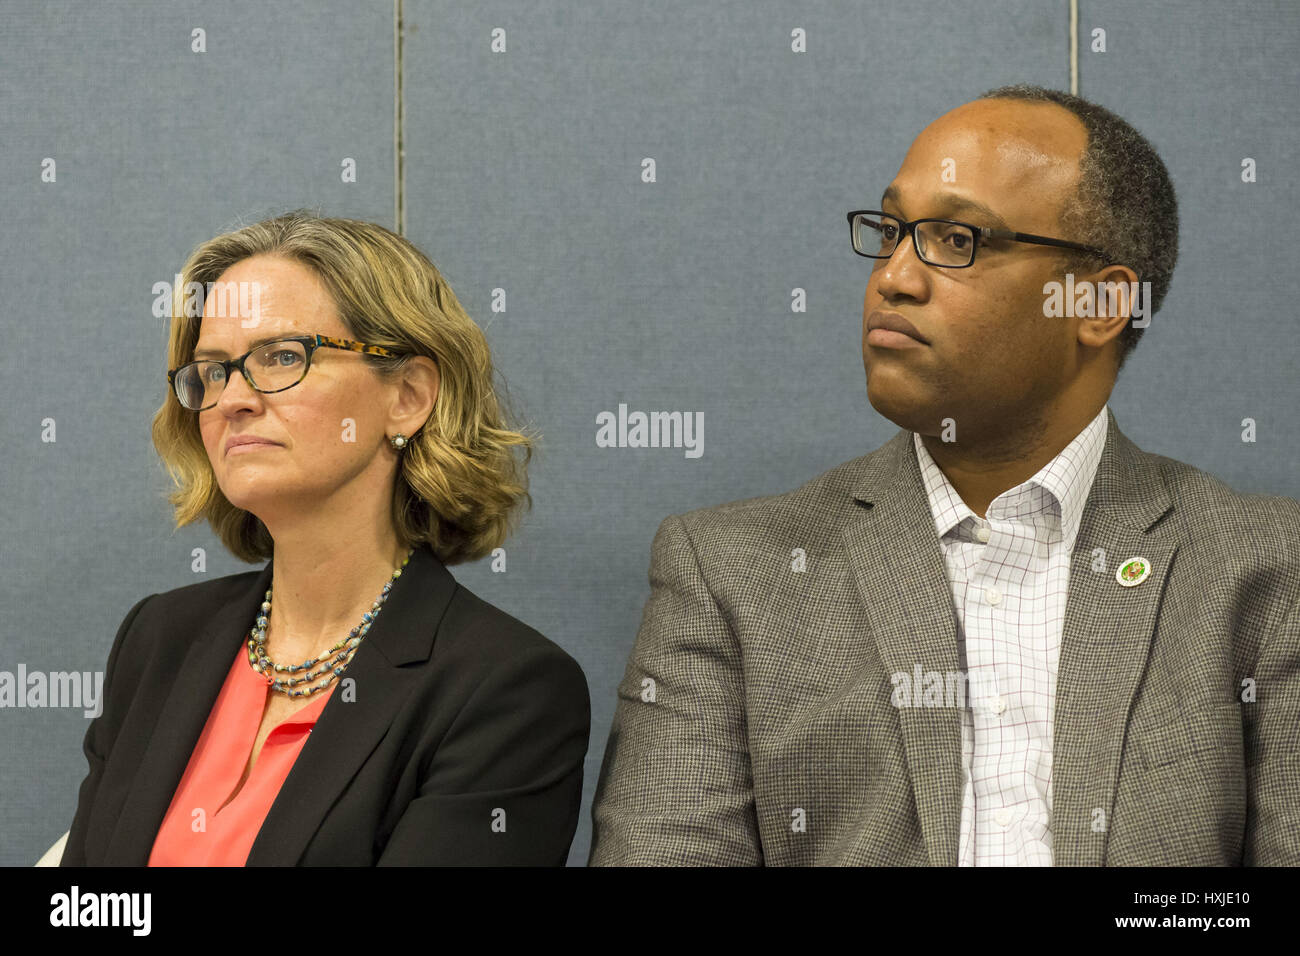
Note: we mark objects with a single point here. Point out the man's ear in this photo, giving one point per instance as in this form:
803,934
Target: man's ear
1116,288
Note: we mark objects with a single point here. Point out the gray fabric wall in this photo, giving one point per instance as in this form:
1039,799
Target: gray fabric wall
523,173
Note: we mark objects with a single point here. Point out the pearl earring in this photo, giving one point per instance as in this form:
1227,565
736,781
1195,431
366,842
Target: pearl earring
399,441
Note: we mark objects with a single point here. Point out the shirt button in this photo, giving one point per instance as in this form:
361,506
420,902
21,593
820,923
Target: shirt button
1003,817
992,595
997,705
982,534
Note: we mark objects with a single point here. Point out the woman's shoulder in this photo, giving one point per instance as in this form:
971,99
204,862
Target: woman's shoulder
483,656
198,599
173,616
158,632
473,627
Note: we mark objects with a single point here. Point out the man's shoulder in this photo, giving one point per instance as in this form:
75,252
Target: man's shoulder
1207,508
1215,507
1222,533
817,508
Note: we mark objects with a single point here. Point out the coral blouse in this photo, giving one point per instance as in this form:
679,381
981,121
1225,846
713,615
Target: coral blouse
224,835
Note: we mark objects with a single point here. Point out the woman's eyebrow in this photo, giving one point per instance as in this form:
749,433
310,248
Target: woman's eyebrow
252,345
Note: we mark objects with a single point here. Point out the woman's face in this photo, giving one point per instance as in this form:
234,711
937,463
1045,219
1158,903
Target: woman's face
326,435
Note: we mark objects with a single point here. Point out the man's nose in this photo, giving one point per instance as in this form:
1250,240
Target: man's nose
902,268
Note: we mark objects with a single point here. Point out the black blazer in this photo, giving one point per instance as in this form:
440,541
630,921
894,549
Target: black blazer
464,717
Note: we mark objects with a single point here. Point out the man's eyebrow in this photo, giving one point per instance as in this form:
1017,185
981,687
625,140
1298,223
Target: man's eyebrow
252,345
955,203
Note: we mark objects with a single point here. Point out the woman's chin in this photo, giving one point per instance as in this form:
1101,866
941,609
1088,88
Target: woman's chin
248,495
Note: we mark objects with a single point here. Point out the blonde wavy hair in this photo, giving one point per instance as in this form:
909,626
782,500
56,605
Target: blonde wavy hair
460,485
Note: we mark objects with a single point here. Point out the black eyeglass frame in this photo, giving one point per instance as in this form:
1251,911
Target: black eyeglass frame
977,232
310,344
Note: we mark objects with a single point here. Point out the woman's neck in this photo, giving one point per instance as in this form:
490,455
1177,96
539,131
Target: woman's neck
320,592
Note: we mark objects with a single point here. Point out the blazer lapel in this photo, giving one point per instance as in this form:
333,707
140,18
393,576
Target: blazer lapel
1105,644
893,549
193,692
345,733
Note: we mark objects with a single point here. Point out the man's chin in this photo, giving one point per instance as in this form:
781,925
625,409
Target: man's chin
912,412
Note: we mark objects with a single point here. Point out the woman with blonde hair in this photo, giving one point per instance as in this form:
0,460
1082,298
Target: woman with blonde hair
350,703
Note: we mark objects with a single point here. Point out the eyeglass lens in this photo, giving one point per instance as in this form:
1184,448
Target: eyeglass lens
271,368
939,243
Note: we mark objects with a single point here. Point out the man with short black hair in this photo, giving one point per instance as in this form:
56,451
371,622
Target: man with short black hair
1008,636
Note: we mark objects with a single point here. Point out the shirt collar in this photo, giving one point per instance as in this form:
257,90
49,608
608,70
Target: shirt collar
1067,478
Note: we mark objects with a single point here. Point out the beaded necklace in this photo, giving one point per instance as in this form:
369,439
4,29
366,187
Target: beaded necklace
346,648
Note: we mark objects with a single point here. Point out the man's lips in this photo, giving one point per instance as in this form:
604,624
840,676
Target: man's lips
889,339
890,330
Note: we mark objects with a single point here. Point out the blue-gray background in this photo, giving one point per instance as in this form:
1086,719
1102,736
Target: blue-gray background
522,172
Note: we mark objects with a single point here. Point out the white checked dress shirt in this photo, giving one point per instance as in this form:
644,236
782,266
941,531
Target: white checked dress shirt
1010,572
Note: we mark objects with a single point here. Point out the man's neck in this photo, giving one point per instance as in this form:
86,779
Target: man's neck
989,464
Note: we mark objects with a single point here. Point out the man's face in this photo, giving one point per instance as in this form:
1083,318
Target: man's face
991,358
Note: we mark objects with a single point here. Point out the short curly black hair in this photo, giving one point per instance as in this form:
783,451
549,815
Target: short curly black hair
1125,202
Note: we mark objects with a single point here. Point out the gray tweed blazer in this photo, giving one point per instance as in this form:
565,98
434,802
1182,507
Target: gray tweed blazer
754,722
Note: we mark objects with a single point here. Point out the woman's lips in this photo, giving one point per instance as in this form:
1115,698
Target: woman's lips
250,446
